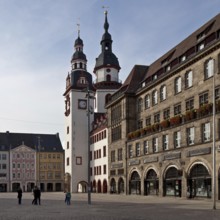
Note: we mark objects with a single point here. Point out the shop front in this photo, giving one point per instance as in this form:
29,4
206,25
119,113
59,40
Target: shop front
151,183
173,182
199,182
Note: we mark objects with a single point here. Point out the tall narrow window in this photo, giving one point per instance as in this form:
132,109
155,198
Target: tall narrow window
177,109
138,150
154,97
188,79
177,139
190,135
209,68
178,85
190,104
146,147
203,99
163,93
206,132
130,151
140,105
165,141
155,144
147,101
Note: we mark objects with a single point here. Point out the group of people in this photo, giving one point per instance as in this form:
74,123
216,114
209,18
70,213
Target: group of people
36,193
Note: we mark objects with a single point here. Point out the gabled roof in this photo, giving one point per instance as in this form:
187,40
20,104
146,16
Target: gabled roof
47,142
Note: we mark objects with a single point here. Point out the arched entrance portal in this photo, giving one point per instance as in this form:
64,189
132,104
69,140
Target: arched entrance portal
121,186
135,184
172,182
105,187
199,182
82,187
151,183
99,186
113,186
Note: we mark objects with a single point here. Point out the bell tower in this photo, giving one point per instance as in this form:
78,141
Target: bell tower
106,70
78,81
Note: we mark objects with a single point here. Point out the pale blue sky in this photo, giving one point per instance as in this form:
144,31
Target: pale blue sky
36,45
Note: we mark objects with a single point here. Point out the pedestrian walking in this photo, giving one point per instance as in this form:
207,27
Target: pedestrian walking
68,198
38,195
34,202
19,195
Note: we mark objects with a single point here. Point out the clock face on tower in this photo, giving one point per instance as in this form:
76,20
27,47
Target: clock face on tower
82,104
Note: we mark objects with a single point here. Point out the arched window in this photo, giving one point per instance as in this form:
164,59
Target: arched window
108,78
209,68
147,101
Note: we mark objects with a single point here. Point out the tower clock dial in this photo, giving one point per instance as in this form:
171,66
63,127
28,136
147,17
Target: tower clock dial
82,104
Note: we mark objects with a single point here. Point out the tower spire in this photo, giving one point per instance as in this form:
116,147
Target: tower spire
78,28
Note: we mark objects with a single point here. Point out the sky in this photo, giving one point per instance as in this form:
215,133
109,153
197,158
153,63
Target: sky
37,41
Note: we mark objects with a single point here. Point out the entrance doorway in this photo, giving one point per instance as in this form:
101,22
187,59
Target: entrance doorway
173,182
135,184
199,182
151,183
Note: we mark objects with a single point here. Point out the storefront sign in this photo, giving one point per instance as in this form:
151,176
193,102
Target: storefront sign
134,162
172,156
200,151
118,165
150,159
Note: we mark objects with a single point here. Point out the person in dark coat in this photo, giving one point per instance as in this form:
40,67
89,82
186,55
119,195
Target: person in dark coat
38,195
19,195
34,202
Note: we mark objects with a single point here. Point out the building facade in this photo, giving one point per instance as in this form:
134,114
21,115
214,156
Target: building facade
31,159
84,101
165,119
99,154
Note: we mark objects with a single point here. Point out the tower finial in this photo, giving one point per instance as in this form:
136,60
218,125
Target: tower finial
78,27
106,25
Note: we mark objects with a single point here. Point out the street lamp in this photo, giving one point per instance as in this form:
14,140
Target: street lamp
213,147
89,111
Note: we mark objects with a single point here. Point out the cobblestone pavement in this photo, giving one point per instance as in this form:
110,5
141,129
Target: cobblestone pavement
106,207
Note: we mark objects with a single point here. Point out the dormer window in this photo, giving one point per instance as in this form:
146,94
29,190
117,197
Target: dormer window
201,46
82,80
155,77
183,58
168,68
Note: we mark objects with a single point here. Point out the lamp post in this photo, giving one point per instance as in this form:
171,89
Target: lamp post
213,148
89,111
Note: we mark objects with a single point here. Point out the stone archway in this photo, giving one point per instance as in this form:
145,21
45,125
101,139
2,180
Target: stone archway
135,183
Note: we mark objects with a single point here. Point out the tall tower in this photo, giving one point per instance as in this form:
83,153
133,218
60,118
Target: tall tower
76,123
106,71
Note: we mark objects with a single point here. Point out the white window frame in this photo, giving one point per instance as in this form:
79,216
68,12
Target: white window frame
147,101
206,129
189,79
191,136
154,97
155,145
177,139
146,147
163,91
165,142
209,68
178,85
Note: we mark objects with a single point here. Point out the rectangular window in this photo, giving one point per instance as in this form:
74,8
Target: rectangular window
148,121
206,133
104,169
166,114
177,139
190,135
138,150
130,151
67,144
177,109
67,161
4,156
140,124
113,156
155,144
178,85
157,118
203,99
146,147
188,79
104,151
120,154
78,160
165,142
190,104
